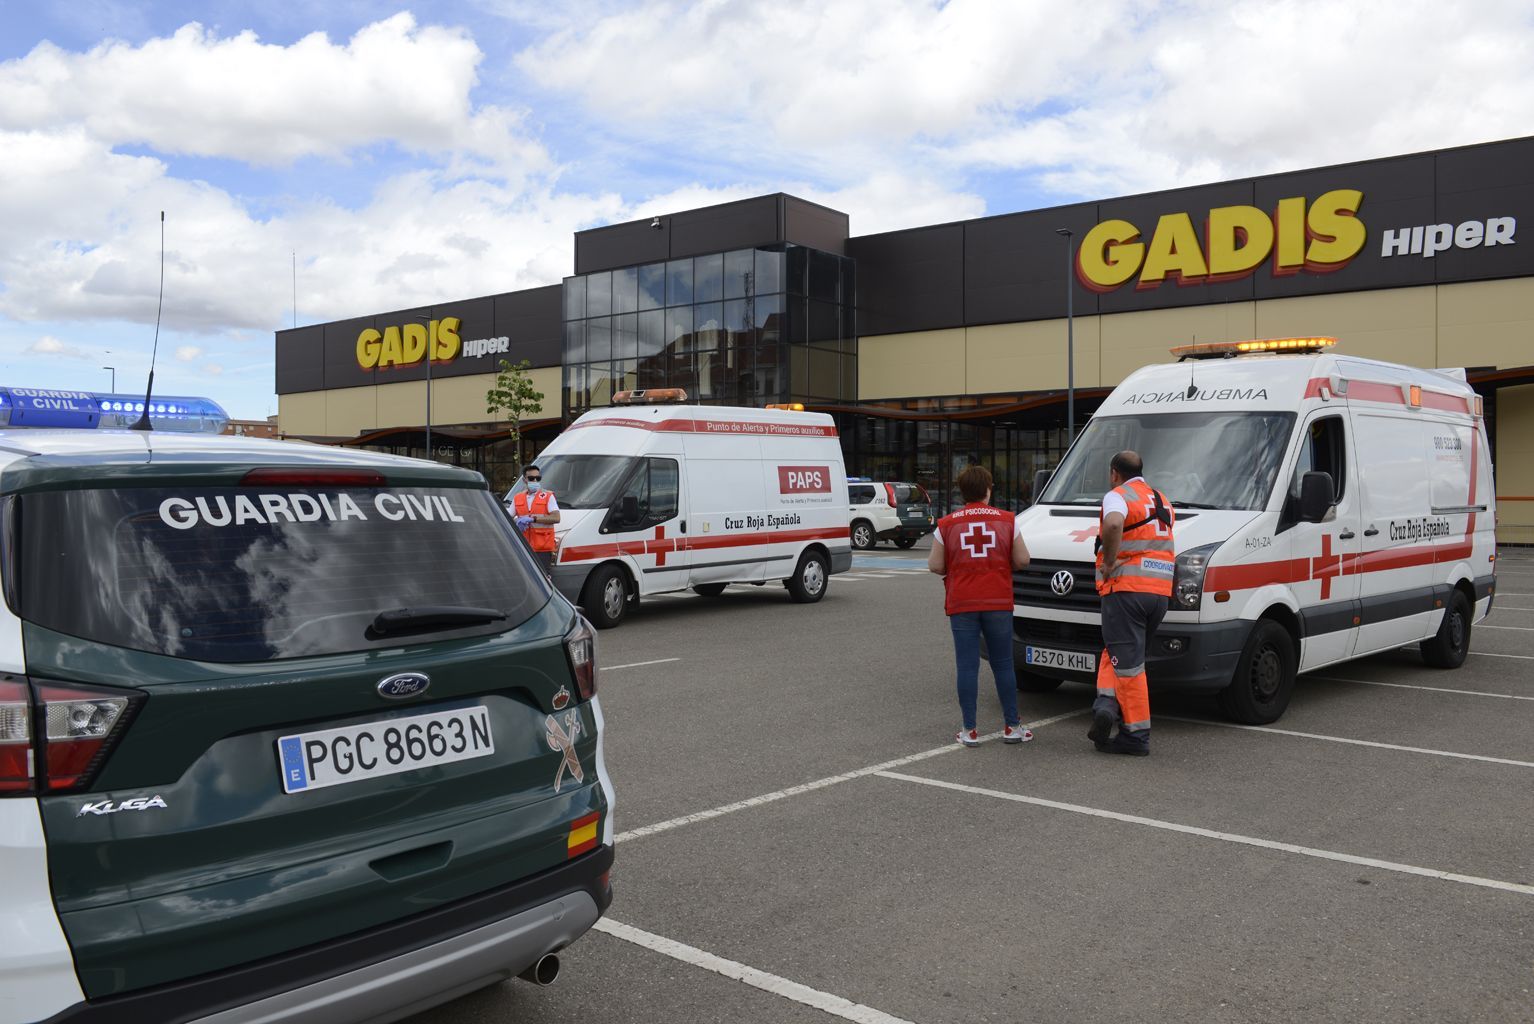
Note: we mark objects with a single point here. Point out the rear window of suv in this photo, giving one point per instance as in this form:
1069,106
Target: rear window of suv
911,494
241,574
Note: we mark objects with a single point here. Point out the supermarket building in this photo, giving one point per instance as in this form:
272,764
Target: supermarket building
939,346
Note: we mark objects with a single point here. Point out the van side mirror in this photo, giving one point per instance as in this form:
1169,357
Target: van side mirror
628,511
1317,496
1040,481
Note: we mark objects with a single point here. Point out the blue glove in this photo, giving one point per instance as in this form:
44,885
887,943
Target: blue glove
523,522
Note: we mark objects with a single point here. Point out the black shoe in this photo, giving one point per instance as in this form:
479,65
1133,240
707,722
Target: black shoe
1102,727
1120,745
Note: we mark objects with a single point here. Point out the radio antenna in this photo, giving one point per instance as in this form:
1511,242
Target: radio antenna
143,420
1192,387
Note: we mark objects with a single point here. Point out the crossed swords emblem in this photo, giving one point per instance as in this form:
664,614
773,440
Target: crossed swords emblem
562,739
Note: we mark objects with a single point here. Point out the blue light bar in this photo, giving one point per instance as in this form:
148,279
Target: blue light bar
87,410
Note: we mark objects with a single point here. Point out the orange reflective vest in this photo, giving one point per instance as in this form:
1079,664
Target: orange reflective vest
1146,556
539,536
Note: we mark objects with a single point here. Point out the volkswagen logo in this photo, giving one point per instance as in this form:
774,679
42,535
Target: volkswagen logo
1062,582
405,684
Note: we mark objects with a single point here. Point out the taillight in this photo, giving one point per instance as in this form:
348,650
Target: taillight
581,649
75,728
15,737
889,489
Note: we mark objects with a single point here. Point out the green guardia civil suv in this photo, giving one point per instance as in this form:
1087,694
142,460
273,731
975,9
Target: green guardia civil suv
287,733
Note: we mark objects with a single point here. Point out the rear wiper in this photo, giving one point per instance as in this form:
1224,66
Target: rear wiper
1176,503
431,616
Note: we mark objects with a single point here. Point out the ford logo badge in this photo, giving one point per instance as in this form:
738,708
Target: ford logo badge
405,684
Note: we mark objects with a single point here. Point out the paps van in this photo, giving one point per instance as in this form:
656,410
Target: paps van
656,498
1327,507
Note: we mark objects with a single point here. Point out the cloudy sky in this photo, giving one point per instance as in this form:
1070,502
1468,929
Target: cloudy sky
410,155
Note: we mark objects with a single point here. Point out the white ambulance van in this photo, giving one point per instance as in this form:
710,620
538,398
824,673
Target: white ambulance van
656,497
1328,508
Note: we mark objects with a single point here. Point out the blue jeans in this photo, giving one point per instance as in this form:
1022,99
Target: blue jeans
997,626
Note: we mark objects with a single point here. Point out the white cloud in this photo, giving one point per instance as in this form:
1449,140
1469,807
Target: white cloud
188,353
48,345
196,93
213,369
1087,99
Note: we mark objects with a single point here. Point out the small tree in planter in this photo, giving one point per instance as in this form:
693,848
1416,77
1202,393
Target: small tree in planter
513,393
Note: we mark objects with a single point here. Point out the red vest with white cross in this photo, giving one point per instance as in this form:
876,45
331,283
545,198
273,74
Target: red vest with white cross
977,553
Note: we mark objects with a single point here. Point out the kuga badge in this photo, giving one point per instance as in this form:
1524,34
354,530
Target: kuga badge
138,803
404,684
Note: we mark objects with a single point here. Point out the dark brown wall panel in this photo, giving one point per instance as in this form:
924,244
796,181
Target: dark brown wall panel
818,227
1477,185
910,280
741,225
622,245
1016,267
301,359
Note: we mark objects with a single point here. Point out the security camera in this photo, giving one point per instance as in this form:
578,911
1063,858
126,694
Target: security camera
655,223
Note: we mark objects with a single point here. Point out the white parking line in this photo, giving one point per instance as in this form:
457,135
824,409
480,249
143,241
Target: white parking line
1350,741
1516,629
836,1006
637,664
1431,689
1229,837
1500,607
810,787
1488,654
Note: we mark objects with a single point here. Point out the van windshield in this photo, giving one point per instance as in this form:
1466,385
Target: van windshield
1197,459
240,574
580,481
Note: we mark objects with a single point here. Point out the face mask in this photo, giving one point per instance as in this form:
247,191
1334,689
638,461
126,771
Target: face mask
534,486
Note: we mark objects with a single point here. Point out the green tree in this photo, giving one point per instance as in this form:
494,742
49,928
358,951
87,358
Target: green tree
513,393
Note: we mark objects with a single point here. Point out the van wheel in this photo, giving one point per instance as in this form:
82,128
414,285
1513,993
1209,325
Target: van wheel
863,536
1264,679
1449,648
905,542
710,589
606,597
808,583
1032,682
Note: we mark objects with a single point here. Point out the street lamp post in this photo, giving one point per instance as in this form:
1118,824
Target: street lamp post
114,377
1070,341
429,345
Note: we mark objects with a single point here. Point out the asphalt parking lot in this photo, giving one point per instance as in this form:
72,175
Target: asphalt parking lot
801,840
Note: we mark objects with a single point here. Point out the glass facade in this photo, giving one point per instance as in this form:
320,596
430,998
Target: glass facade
746,327
932,452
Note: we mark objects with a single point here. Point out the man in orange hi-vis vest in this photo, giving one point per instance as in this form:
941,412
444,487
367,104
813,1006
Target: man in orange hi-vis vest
1135,562
537,511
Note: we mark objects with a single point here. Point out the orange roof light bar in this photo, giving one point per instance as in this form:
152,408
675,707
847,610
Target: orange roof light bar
1231,349
650,396
790,406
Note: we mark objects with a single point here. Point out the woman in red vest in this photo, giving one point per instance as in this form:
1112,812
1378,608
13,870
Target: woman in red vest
975,550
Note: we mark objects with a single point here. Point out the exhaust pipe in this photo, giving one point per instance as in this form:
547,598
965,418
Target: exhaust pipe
544,971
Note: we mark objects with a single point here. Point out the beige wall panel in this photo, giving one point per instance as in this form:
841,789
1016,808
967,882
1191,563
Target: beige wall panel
1395,324
302,413
350,411
915,365
1515,464
1029,356
1133,340
1486,323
